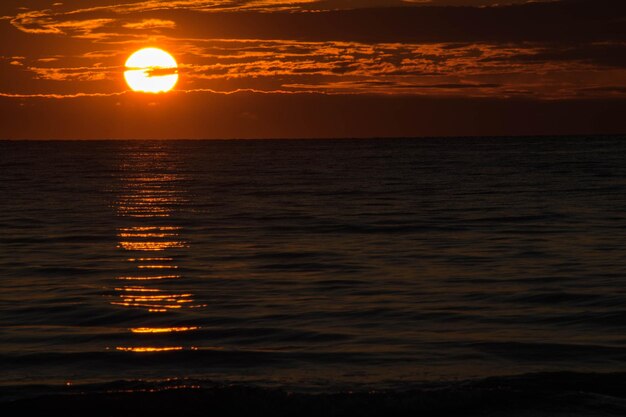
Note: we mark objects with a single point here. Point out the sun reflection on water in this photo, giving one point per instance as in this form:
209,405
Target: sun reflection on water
149,349
149,278
162,329
151,195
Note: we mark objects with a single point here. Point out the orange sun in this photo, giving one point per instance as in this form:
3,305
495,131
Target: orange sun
151,70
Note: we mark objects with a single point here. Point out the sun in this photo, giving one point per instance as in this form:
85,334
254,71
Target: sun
151,70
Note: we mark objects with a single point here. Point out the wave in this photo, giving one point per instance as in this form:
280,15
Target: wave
542,394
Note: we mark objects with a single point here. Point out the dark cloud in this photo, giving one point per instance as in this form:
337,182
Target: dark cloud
597,54
566,21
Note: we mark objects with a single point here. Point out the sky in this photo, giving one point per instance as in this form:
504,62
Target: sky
308,68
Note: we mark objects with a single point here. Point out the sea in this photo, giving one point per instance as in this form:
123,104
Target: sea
312,266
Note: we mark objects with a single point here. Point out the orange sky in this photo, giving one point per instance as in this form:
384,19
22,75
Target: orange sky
304,68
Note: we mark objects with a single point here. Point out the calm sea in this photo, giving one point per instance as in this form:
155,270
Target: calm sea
311,263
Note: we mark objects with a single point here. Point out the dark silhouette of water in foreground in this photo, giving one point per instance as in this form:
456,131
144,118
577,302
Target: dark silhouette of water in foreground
314,266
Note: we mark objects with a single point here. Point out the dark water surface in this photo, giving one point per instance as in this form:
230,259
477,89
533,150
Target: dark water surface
311,263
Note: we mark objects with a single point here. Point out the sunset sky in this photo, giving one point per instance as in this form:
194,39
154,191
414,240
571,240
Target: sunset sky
306,68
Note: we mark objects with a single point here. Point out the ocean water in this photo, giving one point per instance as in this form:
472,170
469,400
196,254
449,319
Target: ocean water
311,264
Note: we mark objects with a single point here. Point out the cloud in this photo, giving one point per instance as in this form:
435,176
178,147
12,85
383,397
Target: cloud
397,68
474,69
50,21
38,22
58,96
74,74
573,47
151,24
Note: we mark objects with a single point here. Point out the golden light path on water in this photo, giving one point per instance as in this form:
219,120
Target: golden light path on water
149,349
149,196
162,329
